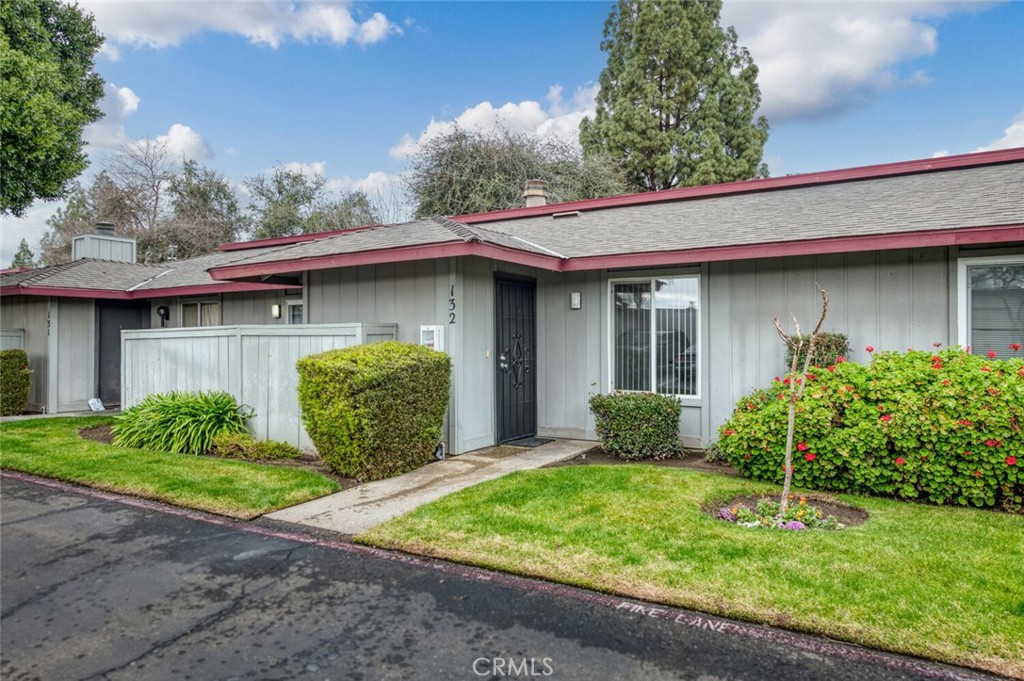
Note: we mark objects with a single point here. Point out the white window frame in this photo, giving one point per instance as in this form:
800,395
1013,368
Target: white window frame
963,328
289,303
199,310
698,376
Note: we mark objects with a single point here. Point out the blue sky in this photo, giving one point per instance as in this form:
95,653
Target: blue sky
347,90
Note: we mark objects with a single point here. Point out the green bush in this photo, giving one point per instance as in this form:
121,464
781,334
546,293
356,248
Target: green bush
180,422
827,351
638,425
375,411
15,382
943,427
244,446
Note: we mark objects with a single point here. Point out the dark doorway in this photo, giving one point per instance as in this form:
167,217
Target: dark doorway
111,317
515,312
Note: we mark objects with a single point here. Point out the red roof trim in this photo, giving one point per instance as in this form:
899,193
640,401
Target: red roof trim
445,249
748,186
285,240
145,294
853,244
15,270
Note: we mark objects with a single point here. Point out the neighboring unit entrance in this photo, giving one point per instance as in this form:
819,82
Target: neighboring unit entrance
112,316
515,312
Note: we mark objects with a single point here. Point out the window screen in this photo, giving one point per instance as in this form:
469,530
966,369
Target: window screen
995,308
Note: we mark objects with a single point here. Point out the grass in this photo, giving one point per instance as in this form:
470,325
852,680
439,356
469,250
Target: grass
52,448
941,583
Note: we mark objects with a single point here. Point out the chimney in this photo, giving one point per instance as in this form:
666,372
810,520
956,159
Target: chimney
536,193
103,244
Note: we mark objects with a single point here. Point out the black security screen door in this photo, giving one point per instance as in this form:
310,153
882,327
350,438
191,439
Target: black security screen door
516,338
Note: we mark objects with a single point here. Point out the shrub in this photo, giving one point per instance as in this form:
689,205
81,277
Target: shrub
827,351
943,427
15,382
180,422
244,446
638,425
375,411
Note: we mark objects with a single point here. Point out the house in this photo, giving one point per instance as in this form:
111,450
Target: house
69,317
673,291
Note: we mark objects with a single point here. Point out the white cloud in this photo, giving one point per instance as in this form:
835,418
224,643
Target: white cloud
1012,137
185,143
561,119
820,59
314,169
117,104
157,23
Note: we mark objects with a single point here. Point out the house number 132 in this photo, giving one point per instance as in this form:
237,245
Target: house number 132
451,305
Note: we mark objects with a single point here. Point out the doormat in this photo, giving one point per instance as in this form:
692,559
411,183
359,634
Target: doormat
530,442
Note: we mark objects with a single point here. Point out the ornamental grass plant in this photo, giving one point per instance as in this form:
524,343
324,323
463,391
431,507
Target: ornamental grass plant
180,422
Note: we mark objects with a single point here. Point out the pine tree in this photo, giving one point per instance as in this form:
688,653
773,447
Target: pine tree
678,98
24,257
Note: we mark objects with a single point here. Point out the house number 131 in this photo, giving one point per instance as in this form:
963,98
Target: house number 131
451,305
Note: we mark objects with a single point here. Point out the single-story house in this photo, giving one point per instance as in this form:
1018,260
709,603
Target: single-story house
69,317
673,291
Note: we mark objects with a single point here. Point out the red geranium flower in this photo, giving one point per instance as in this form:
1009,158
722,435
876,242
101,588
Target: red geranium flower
967,453
869,349
993,443
900,461
729,431
985,369
831,367
811,457
964,422
1011,461
945,381
840,359
885,417
1015,347
991,354
802,447
936,358
977,474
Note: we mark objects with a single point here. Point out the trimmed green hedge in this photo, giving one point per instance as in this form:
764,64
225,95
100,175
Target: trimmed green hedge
828,350
638,425
375,411
15,382
181,422
944,427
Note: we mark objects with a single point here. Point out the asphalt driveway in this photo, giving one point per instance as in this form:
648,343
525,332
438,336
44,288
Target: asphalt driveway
95,588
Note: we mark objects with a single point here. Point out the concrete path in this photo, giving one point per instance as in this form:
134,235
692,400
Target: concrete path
358,509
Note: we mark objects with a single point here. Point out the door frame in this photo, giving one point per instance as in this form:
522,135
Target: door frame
532,375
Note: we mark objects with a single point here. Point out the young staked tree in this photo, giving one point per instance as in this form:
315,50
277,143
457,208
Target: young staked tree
24,257
678,99
49,93
464,171
797,384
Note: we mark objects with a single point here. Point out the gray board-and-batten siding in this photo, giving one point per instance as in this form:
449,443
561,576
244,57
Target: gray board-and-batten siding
891,300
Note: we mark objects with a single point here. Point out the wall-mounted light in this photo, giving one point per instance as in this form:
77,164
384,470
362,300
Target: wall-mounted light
164,313
275,311
576,300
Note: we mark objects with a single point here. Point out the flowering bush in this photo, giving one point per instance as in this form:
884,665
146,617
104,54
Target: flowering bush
942,426
798,516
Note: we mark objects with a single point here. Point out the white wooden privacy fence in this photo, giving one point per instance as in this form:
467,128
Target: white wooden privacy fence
256,364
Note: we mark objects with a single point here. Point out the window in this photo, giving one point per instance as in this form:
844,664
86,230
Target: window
992,304
294,311
200,313
655,334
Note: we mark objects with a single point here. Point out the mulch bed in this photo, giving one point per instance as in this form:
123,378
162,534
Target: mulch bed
692,459
847,515
308,461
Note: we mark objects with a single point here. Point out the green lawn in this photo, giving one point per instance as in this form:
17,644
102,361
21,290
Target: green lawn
942,583
52,448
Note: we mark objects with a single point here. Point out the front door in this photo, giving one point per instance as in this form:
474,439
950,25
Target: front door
516,339
112,317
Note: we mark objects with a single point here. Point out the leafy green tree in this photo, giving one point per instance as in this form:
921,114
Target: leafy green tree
24,257
288,202
103,200
465,171
49,93
204,213
678,99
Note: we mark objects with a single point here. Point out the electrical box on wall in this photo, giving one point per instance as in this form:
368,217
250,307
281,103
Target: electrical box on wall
432,337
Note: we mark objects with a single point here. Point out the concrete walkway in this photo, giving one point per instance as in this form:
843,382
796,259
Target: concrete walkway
358,509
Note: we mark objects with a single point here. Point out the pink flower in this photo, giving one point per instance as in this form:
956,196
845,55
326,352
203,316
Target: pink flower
869,349
885,417
964,422
993,443
840,359
900,461
831,367
945,381
977,474
811,457
1015,347
991,354
802,447
967,453
730,431
1011,461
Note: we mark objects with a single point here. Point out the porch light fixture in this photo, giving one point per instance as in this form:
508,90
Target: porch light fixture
275,311
575,300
